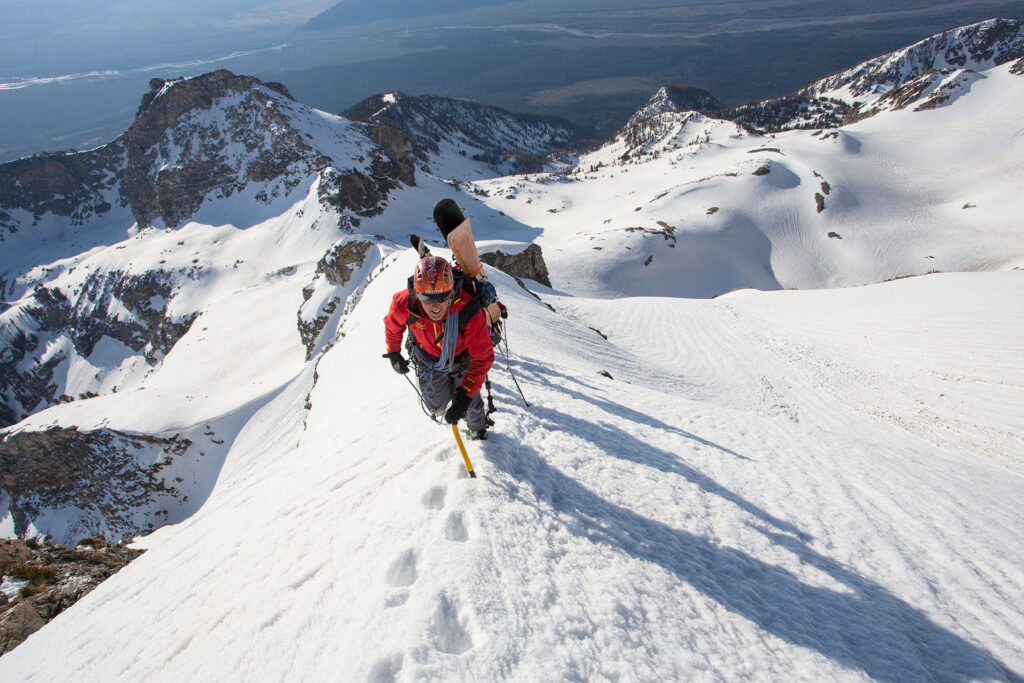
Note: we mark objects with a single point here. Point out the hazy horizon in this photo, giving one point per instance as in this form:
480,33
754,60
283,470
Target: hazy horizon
72,73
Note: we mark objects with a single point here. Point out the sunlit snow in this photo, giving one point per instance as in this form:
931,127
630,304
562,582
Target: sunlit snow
791,468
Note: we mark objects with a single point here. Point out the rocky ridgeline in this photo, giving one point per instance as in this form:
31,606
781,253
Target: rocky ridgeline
333,273
896,79
79,186
853,94
979,46
508,143
41,580
194,140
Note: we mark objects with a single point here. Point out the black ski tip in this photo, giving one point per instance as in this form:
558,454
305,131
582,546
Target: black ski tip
419,245
472,474
447,216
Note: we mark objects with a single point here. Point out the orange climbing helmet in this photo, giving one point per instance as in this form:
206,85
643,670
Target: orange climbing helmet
433,279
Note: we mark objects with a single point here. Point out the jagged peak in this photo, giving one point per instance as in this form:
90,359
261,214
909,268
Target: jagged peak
681,98
182,94
977,46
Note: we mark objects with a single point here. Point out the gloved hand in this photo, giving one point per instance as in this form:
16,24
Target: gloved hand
458,408
400,364
486,291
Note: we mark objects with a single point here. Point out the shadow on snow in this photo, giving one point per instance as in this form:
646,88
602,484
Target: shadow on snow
866,628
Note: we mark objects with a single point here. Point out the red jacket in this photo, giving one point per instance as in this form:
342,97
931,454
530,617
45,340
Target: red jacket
427,335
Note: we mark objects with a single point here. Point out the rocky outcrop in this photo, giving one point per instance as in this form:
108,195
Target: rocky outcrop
47,326
46,579
323,296
491,135
528,263
112,480
79,186
182,149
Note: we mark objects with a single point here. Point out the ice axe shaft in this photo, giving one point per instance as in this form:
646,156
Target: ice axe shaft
462,447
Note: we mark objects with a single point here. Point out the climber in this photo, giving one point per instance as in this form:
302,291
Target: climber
449,340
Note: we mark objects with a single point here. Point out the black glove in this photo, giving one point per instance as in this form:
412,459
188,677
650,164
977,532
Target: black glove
458,408
486,292
401,365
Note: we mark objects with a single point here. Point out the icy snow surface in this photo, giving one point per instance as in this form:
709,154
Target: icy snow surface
821,484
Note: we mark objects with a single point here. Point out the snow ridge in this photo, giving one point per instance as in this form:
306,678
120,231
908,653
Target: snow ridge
753,448
978,47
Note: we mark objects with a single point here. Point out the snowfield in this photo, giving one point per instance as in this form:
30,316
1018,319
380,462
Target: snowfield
773,485
746,455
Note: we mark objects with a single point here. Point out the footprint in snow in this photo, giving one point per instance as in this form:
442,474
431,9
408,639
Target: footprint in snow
402,571
455,528
386,670
433,499
451,637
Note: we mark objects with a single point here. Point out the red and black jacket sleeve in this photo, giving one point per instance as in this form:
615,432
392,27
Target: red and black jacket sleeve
396,320
475,339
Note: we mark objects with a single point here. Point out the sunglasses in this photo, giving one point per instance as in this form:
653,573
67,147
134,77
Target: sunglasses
434,298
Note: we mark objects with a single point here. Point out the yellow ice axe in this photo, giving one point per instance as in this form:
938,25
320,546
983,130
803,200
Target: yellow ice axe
462,447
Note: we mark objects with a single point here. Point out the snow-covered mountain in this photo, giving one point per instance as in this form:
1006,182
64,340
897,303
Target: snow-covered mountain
707,483
111,255
443,129
924,74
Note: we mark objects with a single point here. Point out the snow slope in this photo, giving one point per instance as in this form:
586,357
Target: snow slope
712,208
820,484
774,485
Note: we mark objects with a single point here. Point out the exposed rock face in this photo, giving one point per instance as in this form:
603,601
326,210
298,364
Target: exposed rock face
492,135
180,149
528,263
62,576
79,186
112,479
333,272
47,326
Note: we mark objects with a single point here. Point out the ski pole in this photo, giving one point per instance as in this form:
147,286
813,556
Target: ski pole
462,447
508,365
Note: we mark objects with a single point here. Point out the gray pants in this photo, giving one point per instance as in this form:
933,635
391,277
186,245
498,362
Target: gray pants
439,387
